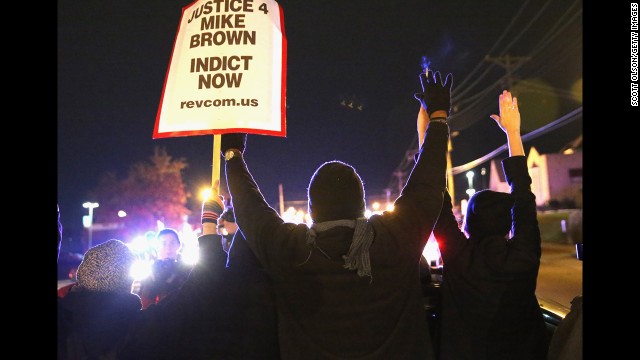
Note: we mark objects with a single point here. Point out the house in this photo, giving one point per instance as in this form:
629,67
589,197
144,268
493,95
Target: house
555,177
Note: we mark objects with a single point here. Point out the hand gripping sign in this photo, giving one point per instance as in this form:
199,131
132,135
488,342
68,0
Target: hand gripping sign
227,72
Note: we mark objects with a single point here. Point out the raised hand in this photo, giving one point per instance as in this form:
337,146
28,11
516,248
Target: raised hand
212,207
509,122
435,94
509,118
233,141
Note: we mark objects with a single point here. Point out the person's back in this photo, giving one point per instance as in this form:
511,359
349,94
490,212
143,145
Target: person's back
93,318
327,309
347,287
489,307
249,329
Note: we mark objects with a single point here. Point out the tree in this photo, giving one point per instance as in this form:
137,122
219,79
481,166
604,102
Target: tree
152,191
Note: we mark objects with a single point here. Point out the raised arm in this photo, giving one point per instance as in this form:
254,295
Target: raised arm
420,201
446,230
509,122
525,245
438,105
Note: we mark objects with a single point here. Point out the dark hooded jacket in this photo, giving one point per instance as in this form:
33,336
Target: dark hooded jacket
92,325
489,307
184,325
327,311
252,325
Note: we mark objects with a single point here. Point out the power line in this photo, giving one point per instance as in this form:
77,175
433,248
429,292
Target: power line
573,115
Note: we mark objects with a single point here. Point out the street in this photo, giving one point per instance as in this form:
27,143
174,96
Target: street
560,275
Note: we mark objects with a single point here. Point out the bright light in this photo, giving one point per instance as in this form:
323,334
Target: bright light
470,191
470,178
390,207
431,251
122,213
87,220
190,255
292,215
140,269
190,251
375,206
90,205
205,193
139,244
463,206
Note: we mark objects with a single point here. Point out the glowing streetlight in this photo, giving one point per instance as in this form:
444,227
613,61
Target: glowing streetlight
470,190
87,220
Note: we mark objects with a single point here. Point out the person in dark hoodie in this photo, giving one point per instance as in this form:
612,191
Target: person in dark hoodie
348,287
251,331
101,318
489,307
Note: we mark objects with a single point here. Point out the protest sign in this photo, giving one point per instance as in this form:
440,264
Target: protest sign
227,71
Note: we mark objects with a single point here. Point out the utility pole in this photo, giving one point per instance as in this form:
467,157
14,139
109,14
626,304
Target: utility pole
507,62
450,185
400,175
281,198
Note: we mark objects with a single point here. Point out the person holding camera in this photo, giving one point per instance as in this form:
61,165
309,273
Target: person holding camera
168,271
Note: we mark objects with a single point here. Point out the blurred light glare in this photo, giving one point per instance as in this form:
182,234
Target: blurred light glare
190,249
463,206
190,255
122,213
289,215
90,205
205,193
431,251
139,244
140,270
86,221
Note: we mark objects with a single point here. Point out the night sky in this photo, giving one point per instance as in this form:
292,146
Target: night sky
113,57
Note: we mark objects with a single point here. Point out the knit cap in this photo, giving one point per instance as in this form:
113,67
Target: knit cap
106,268
336,192
488,213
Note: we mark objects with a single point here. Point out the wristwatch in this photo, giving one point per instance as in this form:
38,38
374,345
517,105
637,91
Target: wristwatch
231,153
